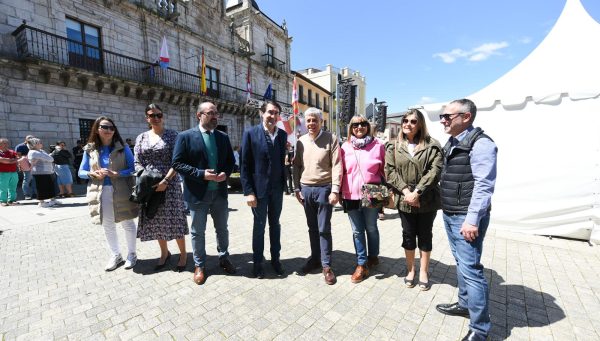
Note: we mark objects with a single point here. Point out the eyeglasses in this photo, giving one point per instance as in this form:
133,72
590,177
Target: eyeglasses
158,115
450,117
362,124
212,113
107,127
406,120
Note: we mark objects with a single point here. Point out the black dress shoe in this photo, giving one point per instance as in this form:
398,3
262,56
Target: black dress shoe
453,309
227,266
258,271
277,267
472,336
162,266
310,266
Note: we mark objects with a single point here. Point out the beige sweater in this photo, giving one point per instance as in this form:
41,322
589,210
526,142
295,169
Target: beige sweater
318,163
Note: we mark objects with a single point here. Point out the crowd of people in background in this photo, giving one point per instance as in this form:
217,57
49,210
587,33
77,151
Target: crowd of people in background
21,166
171,172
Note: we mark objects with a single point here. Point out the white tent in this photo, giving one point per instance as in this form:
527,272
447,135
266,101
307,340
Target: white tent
544,115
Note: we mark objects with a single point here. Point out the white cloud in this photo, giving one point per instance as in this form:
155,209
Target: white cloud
427,100
525,40
477,54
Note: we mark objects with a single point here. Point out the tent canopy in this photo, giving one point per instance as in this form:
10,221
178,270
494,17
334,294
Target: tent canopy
544,116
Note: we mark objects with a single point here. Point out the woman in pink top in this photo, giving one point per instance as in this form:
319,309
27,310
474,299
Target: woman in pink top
363,158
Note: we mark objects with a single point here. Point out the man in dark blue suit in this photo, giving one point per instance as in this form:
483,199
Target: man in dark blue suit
262,163
204,157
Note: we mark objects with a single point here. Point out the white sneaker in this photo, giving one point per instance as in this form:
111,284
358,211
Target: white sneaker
131,260
54,202
44,204
113,262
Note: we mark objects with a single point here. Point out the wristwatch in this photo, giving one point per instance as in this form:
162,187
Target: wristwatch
419,192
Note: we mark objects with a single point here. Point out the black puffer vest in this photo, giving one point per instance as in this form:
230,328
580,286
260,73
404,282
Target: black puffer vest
456,181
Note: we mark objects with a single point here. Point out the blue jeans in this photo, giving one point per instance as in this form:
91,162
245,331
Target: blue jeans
217,206
28,185
318,218
472,285
361,220
269,208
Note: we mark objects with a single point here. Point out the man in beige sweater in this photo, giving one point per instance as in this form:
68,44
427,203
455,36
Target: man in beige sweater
317,176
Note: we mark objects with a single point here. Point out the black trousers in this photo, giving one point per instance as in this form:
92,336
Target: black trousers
417,230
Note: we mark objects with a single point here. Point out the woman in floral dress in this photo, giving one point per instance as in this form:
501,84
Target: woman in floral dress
153,151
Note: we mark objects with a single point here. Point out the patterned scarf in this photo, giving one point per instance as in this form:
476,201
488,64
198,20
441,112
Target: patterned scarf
360,143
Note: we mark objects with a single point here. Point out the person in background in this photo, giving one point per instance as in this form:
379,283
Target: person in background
8,174
289,157
263,179
317,177
363,158
153,152
64,177
42,169
236,156
204,157
413,167
77,157
108,164
467,184
25,177
130,144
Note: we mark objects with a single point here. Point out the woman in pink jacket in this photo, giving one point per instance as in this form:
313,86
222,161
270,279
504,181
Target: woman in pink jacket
363,159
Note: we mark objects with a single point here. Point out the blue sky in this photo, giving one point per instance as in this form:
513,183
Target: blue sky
422,51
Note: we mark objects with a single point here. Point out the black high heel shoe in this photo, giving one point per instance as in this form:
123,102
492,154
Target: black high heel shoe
181,268
162,266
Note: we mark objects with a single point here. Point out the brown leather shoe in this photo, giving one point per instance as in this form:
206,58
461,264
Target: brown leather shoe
199,275
360,274
372,261
329,276
227,266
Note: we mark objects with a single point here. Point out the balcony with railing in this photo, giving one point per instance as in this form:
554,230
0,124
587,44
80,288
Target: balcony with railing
270,61
36,44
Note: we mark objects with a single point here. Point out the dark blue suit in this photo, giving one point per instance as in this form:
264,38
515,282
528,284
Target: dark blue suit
190,160
262,174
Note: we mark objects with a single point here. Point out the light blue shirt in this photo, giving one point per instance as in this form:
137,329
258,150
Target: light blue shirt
104,160
483,166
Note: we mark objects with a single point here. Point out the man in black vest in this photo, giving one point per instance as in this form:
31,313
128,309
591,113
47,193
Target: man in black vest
263,180
467,184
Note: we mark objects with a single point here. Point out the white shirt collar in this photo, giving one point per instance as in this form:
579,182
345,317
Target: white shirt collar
202,130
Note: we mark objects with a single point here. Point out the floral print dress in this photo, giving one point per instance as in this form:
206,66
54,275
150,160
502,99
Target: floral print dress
170,221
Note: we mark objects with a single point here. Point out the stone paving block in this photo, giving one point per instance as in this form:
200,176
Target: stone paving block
533,299
148,335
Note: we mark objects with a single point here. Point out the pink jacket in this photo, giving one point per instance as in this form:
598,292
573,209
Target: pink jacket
372,161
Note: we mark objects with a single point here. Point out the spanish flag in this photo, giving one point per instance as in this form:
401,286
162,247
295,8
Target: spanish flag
203,75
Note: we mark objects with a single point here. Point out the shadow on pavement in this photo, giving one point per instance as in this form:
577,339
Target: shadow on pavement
511,306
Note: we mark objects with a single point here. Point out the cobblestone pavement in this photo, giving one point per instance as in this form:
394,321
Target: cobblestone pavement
53,286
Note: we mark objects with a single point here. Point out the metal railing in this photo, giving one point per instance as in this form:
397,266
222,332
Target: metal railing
33,43
277,64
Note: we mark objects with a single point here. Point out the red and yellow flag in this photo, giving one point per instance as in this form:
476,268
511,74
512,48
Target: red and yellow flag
203,75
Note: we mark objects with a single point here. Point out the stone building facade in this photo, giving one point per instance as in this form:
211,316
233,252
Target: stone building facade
311,94
65,63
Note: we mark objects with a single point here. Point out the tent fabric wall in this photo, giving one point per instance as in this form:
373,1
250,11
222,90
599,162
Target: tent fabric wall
545,118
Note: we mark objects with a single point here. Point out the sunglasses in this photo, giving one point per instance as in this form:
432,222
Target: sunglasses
362,124
450,117
157,115
406,120
107,127
212,113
